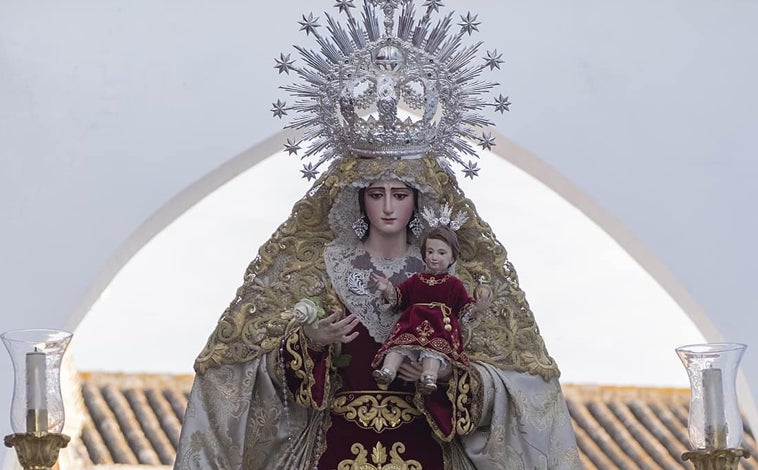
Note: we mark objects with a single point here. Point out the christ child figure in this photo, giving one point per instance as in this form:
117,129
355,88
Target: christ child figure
432,302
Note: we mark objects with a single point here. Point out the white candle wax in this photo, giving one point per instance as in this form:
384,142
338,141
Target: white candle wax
36,381
713,402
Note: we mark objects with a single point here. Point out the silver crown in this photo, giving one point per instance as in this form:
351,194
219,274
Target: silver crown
350,92
444,218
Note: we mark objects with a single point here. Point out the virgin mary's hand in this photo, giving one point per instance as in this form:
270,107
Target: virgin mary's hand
332,329
411,372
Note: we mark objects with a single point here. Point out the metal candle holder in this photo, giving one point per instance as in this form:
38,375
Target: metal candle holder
720,459
715,423
37,450
37,414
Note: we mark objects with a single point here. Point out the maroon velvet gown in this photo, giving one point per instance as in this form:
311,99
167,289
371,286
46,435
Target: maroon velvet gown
318,381
430,303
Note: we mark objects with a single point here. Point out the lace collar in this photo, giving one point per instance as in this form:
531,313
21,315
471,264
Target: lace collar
349,268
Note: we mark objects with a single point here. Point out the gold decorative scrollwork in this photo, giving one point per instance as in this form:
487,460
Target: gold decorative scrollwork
377,411
465,404
378,459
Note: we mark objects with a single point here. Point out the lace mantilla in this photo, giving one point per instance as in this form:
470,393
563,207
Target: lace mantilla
350,268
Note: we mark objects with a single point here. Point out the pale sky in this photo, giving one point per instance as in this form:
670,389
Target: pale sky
604,319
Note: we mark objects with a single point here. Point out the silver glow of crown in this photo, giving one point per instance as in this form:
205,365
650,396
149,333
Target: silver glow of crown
352,90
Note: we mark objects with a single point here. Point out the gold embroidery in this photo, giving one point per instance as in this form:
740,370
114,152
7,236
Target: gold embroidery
424,329
297,363
433,281
463,405
378,459
464,395
444,309
376,411
301,365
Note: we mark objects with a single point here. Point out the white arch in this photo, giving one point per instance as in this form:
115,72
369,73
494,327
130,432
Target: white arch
168,213
505,149
551,178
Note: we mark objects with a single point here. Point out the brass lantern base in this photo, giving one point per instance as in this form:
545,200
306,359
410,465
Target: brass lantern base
37,450
720,459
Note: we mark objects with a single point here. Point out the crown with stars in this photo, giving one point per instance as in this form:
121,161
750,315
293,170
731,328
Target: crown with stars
351,90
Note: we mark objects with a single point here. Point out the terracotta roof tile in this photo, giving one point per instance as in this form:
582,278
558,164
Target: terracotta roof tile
136,420
634,428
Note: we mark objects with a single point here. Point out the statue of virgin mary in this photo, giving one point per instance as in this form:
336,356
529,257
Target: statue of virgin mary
285,380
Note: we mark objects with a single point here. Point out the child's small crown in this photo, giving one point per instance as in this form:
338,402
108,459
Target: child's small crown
444,219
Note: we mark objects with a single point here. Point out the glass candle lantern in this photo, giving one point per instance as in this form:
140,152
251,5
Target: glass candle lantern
37,405
715,421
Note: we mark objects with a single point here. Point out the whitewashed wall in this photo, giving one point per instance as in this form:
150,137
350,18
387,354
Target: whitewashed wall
109,109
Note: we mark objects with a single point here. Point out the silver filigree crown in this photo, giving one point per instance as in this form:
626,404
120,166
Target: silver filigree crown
351,91
444,218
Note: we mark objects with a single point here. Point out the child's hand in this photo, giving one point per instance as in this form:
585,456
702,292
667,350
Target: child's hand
382,283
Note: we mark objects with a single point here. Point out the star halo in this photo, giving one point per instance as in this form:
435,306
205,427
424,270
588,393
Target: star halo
428,46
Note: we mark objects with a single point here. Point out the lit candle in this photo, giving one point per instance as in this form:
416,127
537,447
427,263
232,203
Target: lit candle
36,392
713,401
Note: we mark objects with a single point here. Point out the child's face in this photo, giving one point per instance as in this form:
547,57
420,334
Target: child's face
438,255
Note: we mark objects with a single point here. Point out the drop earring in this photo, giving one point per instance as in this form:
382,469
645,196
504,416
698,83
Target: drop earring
360,227
416,225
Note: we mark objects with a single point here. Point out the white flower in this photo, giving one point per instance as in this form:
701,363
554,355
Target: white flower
306,311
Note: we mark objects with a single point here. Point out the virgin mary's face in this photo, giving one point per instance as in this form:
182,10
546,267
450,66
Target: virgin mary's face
389,206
